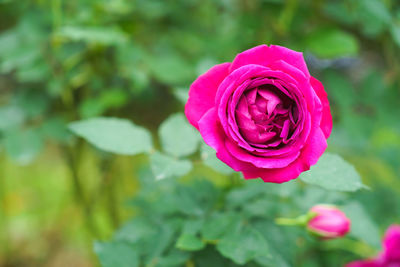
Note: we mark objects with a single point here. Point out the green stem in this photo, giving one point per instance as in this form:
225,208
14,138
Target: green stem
73,156
3,214
112,200
301,220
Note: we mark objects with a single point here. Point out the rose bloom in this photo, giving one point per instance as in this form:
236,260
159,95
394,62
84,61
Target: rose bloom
263,113
390,256
329,222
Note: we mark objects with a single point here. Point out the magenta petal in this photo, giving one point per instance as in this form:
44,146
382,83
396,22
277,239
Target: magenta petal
365,263
316,145
262,161
309,156
278,175
326,121
329,222
214,136
273,100
391,244
202,92
264,55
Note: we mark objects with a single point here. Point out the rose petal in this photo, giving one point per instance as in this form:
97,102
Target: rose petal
326,121
214,136
264,55
202,92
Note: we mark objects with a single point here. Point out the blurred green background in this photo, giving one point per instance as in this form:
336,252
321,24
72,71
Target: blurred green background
62,61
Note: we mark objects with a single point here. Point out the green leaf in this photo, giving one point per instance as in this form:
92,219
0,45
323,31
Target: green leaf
362,226
210,159
189,242
15,117
243,246
333,173
218,224
337,86
116,254
171,68
182,94
113,135
332,43
164,166
23,146
178,137
373,15
103,35
175,257
395,31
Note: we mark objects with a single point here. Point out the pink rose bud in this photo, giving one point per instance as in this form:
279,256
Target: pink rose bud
328,222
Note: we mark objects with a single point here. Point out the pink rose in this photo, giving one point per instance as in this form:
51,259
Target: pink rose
329,222
263,113
391,244
390,256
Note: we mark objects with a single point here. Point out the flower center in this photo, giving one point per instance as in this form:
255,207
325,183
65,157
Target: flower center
266,116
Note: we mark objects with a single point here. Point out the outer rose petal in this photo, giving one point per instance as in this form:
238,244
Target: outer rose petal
366,263
202,92
214,136
264,55
391,244
326,121
309,156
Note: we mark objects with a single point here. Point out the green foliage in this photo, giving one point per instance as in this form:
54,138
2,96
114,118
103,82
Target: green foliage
332,43
234,225
164,166
333,173
116,254
177,137
113,135
23,146
362,226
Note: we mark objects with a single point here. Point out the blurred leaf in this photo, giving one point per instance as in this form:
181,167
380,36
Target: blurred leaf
339,11
395,31
171,68
174,258
333,173
97,35
23,145
33,103
178,137
210,159
217,224
339,89
164,166
332,43
182,94
374,16
189,242
189,239
243,245
113,135
135,230
116,254
362,226
56,128
15,117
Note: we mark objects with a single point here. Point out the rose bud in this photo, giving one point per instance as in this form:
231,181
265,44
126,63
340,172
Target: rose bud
263,113
328,222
